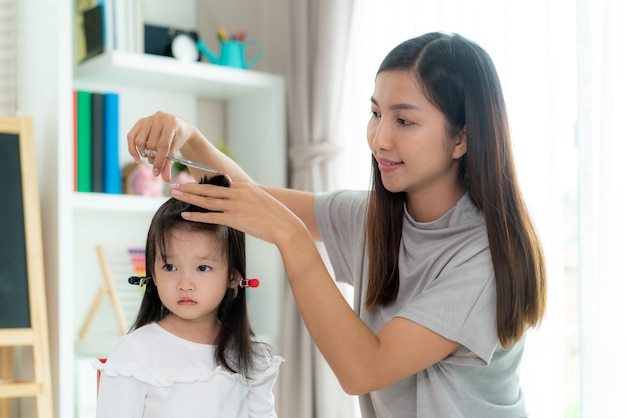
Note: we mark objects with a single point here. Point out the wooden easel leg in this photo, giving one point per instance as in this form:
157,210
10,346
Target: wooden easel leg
112,292
6,375
102,291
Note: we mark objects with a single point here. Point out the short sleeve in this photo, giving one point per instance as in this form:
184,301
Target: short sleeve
469,288
340,218
261,383
118,395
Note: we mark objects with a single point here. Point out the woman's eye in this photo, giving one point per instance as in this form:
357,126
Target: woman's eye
169,267
204,267
375,114
404,122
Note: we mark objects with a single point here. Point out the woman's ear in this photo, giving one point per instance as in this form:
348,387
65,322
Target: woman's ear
460,145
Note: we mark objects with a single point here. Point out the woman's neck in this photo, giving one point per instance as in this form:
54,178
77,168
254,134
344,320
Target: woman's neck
432,205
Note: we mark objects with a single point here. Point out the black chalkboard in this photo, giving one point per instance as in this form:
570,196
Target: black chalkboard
14,296
23,321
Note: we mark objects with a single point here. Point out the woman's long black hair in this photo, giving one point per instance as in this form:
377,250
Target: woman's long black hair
460,79
234,345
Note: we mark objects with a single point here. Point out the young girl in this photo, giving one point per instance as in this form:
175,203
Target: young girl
191,352
447,268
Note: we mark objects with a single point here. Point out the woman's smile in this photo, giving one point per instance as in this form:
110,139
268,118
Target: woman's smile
385,165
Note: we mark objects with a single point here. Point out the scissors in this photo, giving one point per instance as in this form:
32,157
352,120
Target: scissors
151,153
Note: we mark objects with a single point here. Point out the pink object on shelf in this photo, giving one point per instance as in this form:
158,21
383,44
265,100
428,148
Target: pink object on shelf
141,181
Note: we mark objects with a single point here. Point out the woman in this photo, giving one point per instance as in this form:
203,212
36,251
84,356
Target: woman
447,269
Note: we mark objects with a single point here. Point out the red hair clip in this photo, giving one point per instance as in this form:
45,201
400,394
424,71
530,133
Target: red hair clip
249,283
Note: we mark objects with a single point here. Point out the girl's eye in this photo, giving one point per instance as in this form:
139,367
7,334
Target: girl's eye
375,114
404,122
169,267
204,267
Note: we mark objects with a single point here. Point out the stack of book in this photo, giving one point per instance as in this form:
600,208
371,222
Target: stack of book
108,25
96,150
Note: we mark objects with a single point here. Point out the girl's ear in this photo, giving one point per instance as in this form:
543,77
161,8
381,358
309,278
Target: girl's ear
460,145
234,281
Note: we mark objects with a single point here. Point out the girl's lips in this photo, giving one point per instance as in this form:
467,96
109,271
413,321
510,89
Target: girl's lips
186,301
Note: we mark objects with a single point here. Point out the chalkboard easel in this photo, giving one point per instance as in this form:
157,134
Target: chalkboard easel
23,317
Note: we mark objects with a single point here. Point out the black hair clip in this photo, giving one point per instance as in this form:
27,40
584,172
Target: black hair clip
140,280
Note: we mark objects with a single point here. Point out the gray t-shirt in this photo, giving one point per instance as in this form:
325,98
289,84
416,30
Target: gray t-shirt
447,285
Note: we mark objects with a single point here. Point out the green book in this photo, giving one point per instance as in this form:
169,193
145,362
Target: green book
83,145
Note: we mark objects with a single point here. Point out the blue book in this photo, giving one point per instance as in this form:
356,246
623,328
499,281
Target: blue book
112,170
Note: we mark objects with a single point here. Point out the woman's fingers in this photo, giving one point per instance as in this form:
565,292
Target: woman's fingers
155,133
135,138
233,199
243,206
158,138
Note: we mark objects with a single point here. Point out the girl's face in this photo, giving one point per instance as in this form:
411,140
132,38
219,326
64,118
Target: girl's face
407,136
194,279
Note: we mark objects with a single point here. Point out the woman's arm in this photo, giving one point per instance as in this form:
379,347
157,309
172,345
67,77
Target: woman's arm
168,134
361,359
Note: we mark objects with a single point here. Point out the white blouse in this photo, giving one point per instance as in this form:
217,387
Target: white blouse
152,373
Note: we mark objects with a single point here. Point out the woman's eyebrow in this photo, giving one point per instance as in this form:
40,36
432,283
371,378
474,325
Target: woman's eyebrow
398,106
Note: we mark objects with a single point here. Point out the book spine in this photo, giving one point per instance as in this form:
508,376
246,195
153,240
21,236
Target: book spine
80,40
97,142
138,27
109,24
94,31
75,138
112,170
120,17
83,169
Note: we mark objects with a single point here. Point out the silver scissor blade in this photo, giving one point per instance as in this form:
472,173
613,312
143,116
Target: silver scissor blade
188,163
193,164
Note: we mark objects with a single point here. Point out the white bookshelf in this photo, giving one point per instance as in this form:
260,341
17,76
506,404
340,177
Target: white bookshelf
254,129
251,117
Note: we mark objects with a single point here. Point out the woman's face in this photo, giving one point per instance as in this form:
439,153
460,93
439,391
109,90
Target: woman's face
407,135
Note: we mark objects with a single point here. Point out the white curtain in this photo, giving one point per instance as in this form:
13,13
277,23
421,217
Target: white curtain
533,45
602,111
307,387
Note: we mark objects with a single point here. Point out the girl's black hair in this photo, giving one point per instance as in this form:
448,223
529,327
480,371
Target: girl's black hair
234,346
460,79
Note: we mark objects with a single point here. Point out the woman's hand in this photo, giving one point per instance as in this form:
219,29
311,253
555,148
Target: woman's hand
161,132
167,134
244,206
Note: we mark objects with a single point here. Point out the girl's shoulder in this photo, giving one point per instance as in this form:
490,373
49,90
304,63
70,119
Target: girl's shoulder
265,359
158,358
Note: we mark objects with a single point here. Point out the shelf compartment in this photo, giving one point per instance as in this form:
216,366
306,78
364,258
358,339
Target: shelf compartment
122,203
169,74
